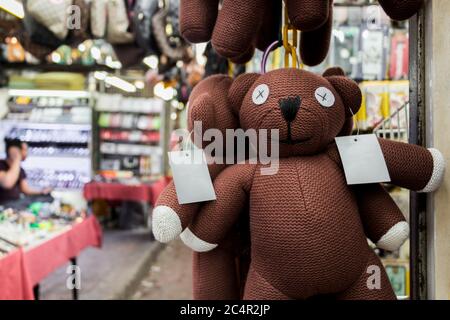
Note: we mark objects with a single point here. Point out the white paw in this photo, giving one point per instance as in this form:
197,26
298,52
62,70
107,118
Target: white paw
395,237
438,171
166,224
195,243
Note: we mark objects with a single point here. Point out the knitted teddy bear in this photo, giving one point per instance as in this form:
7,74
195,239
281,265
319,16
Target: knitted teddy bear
208,104
241,26
306,210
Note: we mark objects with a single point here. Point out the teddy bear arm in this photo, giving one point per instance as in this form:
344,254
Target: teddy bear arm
413,167
216,218
315,44
169,218
383,221
270,28
197,19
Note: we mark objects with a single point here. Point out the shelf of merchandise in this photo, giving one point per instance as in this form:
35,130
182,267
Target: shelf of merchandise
136,148
59,146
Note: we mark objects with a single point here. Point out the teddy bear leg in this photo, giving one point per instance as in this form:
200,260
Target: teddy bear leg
401,9
373,284
270,29
383,221
197,19
314,45
257,288
236,30
306,16
214,275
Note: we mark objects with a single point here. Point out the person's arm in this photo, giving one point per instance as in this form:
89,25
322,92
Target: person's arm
27,190
10,177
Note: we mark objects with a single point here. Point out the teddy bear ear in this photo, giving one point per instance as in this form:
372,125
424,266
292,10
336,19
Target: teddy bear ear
349,92
238,90
334,71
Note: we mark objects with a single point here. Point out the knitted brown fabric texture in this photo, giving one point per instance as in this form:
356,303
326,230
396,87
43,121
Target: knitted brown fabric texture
401,9
215,275
379,212
308,15
410,166
243,25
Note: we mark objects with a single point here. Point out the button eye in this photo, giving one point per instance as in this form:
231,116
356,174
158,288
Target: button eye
261,94
325,97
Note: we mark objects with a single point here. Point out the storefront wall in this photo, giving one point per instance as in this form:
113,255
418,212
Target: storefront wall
437,43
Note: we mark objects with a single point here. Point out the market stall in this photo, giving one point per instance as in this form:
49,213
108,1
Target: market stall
36,241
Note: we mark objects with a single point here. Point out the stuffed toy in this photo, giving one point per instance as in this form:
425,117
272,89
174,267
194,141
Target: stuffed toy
401,9
326,242
241,26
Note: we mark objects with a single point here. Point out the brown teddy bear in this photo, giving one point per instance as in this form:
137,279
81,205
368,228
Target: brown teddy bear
310,158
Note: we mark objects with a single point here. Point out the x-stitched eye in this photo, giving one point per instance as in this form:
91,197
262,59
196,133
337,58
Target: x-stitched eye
260,94
325,97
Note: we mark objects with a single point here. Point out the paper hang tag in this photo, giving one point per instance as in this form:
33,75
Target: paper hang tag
362,159
191,176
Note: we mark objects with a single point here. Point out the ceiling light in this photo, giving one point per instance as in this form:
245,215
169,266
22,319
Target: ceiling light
120,83
151,62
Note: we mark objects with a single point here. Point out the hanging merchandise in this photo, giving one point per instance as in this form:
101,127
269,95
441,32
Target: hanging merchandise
129,54
118,24
14,50
165,29
8,24
51,14
209,105
335,250
36,33
142,24
399,60
99,18
374,54
81,33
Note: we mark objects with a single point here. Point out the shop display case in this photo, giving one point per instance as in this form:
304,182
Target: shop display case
56,124
130,135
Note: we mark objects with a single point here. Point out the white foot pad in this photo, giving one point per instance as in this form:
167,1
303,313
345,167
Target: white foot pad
438,171
166,224
395,237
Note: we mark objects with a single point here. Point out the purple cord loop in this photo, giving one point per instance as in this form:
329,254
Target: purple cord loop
269,49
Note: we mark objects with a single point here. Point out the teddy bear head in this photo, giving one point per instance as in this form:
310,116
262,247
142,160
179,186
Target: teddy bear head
308,110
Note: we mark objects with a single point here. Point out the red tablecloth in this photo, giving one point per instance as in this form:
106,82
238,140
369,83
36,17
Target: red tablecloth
14,281
123,192
24,268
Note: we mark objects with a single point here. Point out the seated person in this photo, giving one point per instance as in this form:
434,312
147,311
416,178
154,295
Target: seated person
12,176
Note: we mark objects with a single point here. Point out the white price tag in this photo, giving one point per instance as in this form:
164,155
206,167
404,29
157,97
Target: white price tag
191,176
362,159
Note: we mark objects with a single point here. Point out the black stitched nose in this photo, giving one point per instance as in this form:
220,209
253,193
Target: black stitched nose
289,107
